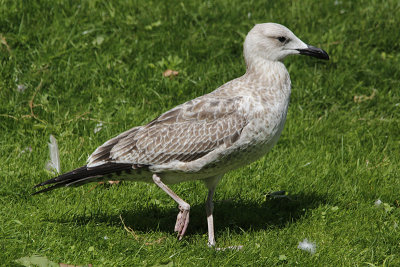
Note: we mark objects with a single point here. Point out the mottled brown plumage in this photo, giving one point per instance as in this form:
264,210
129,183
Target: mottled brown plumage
185,133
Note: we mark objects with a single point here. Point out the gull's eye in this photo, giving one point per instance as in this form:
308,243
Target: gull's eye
282,39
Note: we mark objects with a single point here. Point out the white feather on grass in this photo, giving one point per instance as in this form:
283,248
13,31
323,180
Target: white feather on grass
27,149
53,165
378,202
98,127
21,88
307,246
229,248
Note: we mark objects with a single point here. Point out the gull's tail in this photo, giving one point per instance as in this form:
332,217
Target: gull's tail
84,175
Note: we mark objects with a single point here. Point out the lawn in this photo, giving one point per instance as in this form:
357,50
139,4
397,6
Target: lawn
69,66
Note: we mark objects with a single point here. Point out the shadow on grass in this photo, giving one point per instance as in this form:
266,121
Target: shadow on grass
232,214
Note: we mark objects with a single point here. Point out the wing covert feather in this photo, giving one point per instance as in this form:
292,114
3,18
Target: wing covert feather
185,133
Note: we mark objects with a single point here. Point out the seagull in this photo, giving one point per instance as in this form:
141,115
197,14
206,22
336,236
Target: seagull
208,136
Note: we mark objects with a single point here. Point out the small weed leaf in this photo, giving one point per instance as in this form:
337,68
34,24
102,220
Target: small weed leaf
387,207
98,41
36,260
335,208
171,62
17,222
169,264
153,25
282,257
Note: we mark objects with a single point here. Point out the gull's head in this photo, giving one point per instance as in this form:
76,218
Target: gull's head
273,42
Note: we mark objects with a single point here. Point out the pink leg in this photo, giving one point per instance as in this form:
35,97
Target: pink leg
182,221
210,219
211,184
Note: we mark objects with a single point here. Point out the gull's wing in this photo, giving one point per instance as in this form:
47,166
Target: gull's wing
185,133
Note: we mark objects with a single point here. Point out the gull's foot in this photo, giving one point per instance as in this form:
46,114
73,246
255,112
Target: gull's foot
211,243
182,221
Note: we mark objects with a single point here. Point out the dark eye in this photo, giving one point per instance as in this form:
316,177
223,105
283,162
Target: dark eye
282,39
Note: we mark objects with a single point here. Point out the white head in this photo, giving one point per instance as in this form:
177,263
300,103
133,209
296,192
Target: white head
273,42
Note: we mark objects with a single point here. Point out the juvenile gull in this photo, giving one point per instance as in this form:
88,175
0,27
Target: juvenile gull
208,136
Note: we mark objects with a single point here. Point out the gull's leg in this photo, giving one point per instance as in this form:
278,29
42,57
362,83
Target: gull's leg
182,221
211,184
210,219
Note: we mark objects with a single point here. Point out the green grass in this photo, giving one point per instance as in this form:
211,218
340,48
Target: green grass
92,61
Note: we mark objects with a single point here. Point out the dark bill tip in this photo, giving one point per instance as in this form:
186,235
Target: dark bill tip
314,52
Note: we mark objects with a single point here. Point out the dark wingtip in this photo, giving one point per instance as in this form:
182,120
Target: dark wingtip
60,180
83,175
47,189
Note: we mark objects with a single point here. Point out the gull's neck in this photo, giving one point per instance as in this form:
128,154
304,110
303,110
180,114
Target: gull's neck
262,77
267,74
260,66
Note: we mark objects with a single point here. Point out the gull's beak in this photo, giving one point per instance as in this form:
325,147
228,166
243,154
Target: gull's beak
314,52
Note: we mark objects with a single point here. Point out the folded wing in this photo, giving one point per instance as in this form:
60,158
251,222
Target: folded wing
185,133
